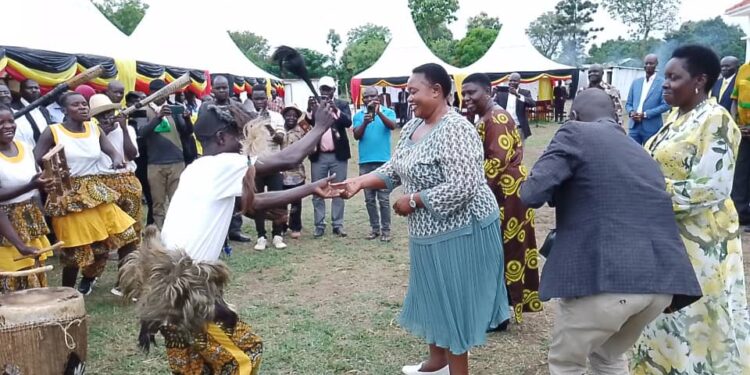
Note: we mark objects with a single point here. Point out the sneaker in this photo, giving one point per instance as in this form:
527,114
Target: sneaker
372,236
261,244
295,235
386,237
116,291
86,286
339,232
319,233
278,242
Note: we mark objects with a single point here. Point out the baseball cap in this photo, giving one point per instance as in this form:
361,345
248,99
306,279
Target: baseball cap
326,81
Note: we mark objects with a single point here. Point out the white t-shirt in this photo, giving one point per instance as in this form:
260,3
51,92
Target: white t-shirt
117,140
18,171
202,207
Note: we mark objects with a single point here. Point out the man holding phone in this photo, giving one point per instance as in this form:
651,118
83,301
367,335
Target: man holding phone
516,100
163,134
372,128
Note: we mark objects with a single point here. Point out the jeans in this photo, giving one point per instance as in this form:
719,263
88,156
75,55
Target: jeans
295,211
380,217
272,182
326,165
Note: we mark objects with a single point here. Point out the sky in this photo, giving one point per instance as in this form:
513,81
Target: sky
304,23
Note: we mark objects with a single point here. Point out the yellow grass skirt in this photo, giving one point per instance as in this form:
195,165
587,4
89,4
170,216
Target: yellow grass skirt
28,221
92,225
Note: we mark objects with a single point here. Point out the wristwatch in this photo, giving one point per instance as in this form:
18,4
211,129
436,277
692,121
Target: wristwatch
412,202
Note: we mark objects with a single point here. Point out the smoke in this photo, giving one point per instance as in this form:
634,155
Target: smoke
664,52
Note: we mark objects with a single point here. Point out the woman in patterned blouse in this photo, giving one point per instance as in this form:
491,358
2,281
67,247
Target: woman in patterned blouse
455,245
503,167
696,149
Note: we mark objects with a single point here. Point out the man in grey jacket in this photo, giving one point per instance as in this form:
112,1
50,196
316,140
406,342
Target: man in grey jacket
617,261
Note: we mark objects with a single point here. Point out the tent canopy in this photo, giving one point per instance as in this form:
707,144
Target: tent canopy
165,36
68,26
513,52
405,51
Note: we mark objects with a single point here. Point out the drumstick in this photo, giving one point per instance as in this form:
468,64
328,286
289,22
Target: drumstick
54,247
27,272
85,76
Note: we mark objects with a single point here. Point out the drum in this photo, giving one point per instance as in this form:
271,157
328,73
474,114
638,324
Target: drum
43,332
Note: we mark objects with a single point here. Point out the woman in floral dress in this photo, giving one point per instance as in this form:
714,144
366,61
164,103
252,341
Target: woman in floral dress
503,168
696,149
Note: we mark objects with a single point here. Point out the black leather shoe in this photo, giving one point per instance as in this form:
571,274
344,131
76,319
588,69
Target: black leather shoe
501,328
239,237
339,232
318,233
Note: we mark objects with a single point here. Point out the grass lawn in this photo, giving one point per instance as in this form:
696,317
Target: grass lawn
326,306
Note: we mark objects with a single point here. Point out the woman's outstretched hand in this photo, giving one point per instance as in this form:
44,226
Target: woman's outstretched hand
325,189
348,188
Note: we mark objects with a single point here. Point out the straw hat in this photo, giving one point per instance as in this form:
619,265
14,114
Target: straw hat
295,108
101,103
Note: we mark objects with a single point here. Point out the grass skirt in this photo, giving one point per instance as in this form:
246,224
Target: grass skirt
454,294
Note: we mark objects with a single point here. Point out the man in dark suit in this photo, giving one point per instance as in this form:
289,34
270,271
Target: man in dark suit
724,87
559,95
617,261
331,156
516,100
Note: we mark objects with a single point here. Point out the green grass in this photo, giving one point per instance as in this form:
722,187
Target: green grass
325,306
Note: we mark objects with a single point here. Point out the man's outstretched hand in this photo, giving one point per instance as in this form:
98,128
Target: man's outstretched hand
325,190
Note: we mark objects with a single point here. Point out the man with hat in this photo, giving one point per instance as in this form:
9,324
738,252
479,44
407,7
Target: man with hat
331,156
372,128
163,134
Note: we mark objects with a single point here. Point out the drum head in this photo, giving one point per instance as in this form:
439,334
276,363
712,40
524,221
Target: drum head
40,305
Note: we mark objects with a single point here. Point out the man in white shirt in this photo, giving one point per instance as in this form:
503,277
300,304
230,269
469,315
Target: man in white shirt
516,100
30,126
211,187
645,104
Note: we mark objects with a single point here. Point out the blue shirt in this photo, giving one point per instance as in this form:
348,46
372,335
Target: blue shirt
375,144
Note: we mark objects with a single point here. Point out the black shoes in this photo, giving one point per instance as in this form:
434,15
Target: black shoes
239,237
339,232
501,328
86,286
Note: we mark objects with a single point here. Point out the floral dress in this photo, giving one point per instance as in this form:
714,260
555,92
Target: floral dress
697,153
503,168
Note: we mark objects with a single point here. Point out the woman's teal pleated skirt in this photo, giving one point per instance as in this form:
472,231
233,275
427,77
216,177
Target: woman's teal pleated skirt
456,288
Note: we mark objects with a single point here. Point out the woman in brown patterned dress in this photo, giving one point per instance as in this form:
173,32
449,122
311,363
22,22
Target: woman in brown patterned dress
503,154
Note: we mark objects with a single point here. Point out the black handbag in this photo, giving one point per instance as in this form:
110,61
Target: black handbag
549,241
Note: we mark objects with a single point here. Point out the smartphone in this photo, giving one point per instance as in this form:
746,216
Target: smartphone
140,113
504,88
177,110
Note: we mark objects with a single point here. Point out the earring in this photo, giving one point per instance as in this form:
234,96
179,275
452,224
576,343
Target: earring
696,91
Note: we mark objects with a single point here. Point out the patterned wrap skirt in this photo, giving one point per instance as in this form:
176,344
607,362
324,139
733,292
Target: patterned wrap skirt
454,295
218,351
131,195
28,221
89,222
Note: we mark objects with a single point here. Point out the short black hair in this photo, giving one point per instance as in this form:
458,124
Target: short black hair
133,95
217,76
63,101
259,87
436,74
700,60
212,120
480,79
156,85
26,82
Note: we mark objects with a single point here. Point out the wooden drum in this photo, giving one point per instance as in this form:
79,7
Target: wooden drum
43,332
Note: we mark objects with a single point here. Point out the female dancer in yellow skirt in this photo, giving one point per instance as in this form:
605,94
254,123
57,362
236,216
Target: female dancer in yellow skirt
123,181
87,220
19,182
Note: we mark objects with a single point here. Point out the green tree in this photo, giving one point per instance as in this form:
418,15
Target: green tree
619,49
445,49
125,14
432,17
544,35
364,46
725,39
255,48
318,64
334,41
573,24
483,20
473,46
643,17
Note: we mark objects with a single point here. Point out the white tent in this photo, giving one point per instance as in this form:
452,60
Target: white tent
179,36
405,51
68,26
513,52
